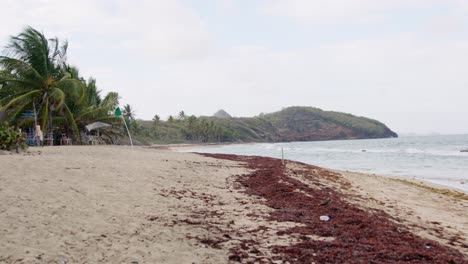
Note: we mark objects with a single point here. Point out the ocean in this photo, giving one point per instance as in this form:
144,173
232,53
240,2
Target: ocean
434,159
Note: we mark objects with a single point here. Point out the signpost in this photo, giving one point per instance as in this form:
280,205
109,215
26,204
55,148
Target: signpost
118,113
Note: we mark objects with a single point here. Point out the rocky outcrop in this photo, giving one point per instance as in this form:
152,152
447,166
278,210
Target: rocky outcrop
222,114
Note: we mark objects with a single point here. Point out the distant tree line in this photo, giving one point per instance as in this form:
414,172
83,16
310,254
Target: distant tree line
200,130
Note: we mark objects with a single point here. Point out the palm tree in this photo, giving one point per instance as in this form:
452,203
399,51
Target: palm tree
170,119
93,95
94,108
35,74
128,112
156,118
182,115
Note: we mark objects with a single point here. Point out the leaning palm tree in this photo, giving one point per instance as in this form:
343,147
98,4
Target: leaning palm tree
128,112
103,110
33,70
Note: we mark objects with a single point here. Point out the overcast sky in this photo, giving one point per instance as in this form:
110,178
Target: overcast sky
403,62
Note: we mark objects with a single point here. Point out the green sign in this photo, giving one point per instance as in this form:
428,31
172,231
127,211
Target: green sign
118,112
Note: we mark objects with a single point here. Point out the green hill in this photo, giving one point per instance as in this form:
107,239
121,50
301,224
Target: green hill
289,124
309,123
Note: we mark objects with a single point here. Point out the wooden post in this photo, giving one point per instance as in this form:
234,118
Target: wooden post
282,155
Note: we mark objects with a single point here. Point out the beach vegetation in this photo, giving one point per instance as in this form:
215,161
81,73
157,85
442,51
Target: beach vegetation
182,115
156,119
170,119
36,79
289,124
11,138
35,74
128,112
38,86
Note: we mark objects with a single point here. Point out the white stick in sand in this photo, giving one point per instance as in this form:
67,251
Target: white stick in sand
282,155
128,132
119,113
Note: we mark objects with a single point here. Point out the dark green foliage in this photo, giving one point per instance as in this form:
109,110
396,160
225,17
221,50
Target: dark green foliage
34,72
35,76
11,138
163,132
190,129
182,115
156,119
306,119
170,119
201,130
290,124
128,112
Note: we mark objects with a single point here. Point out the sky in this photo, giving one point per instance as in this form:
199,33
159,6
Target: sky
402,62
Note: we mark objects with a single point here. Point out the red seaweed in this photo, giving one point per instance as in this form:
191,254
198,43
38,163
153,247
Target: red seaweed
359,236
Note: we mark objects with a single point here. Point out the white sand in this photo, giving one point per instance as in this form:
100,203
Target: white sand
104,204
108,204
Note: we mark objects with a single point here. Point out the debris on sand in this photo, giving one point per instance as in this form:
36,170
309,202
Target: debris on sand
363,236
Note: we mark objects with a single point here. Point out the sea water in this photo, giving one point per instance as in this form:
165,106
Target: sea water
435,159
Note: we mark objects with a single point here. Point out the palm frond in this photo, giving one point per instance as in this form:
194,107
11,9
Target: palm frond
20,100
94,113
16,111
57,96
19,67
92,93
74,89
7,99
111,100
34,70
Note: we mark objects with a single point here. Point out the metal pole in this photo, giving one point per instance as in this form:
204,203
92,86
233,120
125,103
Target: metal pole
128,132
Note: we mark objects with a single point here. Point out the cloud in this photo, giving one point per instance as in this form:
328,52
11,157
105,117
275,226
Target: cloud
330,11
402,80
354,11
162,57
160,28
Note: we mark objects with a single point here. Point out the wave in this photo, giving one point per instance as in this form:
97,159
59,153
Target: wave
426,158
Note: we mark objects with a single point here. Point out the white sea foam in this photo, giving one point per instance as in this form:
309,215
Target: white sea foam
437,159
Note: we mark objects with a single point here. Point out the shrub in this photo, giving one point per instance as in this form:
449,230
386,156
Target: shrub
11,138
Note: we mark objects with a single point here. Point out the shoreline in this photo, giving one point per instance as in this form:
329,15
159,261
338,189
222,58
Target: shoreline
423,183
294,187
114,204
188,147
191,148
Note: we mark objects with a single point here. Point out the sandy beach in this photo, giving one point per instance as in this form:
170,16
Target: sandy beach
112,204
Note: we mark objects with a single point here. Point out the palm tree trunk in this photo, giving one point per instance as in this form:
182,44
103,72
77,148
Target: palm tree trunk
49,122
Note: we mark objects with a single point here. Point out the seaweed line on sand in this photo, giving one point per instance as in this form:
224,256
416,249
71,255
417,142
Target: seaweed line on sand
354,235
